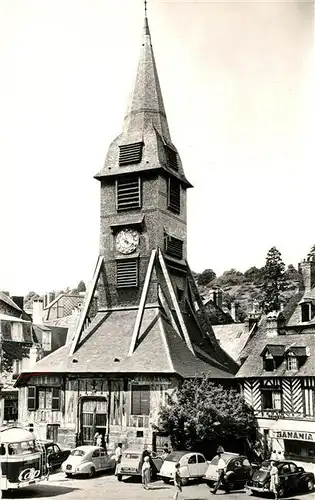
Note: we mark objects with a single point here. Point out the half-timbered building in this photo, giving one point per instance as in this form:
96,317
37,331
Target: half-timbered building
278,373
150,330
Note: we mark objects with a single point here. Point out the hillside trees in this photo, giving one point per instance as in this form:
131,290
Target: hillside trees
274,281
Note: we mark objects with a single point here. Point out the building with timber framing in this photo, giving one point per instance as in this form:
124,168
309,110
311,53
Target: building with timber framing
278,374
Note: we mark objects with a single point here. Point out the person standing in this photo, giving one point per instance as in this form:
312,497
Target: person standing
118,453
146,473
274,479
274,456
99,440
95,438
166,451
221,473
177,482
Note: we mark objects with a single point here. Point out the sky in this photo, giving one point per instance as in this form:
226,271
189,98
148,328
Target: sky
238,82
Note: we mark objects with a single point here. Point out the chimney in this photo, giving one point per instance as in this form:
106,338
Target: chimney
38,311
251,320
307,270
19,301
216,296
275,320
233,311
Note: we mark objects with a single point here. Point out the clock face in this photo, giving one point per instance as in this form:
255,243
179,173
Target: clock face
127,240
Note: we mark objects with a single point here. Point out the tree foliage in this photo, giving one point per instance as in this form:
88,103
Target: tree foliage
292,274
254,274
81,286
231,277
203,411
206,277
274,281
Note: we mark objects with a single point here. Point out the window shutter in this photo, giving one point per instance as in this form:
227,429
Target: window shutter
130,153
140,400
6,330
32,399
135,401
55,405
145,400
128,193
127,273
173,246
174,195
171,157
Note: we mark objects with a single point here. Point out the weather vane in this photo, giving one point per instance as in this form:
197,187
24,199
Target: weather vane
145,7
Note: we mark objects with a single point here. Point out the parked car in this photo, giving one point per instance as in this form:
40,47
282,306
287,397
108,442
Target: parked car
55,455
86,460
291,477
238,470
192,465
132,460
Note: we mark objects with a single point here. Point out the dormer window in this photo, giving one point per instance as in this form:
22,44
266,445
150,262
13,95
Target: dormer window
292,362
306,311
269,362
272,356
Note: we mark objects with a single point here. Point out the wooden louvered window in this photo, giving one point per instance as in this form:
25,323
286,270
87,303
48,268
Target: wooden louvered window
173,246
140,400
55,400
171,157
128,193
173,195
127,273
32,399
130,153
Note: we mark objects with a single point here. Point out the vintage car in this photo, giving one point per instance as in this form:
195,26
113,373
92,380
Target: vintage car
238,470
192,465
55,456
291,477
132,460
87,460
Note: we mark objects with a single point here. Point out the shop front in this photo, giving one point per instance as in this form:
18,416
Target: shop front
292,439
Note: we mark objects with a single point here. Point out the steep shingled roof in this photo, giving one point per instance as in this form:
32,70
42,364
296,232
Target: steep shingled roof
145,121
7,300
106,350
253,364
232,338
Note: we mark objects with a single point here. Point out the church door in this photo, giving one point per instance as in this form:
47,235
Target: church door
93,418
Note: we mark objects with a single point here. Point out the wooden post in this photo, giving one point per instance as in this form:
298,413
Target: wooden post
87,302
142,303
175,303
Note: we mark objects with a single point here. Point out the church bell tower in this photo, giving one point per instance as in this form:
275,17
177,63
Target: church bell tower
143,193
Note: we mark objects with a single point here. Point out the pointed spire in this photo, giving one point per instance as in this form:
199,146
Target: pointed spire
146,105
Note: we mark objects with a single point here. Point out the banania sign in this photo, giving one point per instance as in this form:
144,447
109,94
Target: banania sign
297,435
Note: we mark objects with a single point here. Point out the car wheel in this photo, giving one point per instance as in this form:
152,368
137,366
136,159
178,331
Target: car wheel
68,474
91,472
281,492
230,486
309,484
119,477
166,480
184,481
